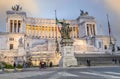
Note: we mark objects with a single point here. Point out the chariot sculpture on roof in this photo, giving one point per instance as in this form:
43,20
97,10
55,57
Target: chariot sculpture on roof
82,13
16,8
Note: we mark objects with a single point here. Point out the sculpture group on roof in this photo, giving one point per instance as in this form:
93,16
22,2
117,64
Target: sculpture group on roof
16,8
83,13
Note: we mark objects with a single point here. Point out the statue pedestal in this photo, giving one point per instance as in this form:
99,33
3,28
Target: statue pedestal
67,59
21,52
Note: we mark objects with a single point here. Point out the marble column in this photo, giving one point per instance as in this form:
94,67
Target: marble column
76,31
17,26
39,34
7,26
73,32
86,30
45,32
42,32
52,29
35,31
89,30
27,30
92,30
30,31
21,24
50,32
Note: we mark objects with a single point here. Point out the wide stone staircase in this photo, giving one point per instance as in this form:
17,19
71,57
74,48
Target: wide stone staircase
98,59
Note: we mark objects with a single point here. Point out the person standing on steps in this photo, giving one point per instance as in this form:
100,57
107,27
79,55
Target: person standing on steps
88,62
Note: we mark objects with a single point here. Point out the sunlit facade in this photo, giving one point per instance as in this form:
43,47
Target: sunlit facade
34,39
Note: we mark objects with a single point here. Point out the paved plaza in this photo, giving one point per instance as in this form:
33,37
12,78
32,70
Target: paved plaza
66,73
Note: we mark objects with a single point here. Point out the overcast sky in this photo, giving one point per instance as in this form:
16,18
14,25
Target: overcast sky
68,9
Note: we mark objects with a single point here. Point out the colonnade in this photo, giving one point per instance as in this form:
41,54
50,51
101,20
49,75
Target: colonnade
48,31
91,29
15,26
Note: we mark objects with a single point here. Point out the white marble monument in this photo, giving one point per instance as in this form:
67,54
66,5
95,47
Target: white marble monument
67,59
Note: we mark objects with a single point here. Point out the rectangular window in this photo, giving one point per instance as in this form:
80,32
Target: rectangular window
11,46
11,39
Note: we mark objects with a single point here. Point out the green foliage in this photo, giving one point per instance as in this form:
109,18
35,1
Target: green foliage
19,66
55,65
7,66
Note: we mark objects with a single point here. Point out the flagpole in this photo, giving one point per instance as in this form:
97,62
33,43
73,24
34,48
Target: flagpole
56,24
111,45
57,45
109,29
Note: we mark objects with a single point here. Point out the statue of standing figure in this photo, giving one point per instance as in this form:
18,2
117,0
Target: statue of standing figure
65,30
21,41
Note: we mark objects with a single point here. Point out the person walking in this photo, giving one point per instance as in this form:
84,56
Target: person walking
24,65
2,67
119,61
39,64
14,65
51,64
44,64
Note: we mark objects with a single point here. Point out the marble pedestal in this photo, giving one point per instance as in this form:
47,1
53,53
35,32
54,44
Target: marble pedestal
67,59
21,52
